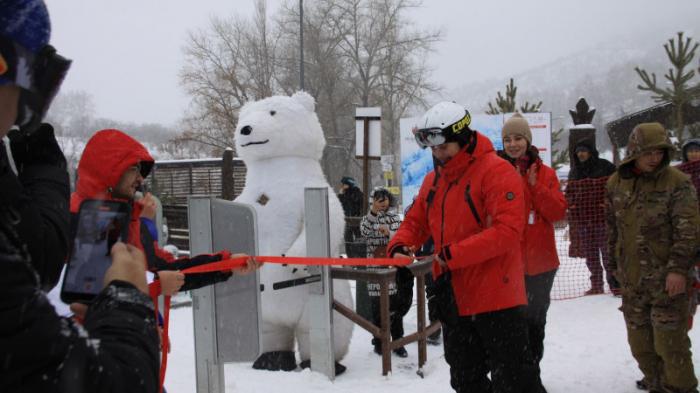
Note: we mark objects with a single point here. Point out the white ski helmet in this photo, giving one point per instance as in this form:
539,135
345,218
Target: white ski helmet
444,122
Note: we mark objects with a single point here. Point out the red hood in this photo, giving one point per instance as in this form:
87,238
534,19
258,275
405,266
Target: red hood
106,156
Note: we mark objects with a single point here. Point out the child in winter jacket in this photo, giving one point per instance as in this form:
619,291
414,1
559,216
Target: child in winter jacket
377,227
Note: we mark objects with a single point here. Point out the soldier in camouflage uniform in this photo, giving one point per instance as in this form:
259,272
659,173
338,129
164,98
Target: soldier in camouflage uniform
653,222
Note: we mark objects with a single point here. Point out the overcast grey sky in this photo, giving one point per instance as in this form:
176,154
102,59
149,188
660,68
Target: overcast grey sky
127,53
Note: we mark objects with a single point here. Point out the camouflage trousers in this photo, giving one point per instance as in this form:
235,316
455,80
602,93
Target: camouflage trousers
657,332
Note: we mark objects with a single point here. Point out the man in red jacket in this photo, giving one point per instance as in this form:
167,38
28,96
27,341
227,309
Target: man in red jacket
472,205
113,166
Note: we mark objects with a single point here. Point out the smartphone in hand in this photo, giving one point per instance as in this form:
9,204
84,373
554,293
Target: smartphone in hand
100,224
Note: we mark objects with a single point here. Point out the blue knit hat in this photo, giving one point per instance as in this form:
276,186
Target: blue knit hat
26,22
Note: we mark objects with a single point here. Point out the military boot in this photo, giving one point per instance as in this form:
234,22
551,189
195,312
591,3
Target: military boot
651,386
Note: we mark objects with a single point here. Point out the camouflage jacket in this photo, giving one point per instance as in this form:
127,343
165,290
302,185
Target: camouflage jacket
652,218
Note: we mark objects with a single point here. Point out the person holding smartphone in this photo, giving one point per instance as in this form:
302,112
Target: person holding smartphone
33,176
40,351
113,167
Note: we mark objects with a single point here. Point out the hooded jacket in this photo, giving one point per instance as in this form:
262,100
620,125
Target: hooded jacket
585,194
691,168
473,209
686,145
544,205
592,168
652,218
106,156
351,200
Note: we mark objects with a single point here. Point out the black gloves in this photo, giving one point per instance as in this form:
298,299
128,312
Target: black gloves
442,304
39,148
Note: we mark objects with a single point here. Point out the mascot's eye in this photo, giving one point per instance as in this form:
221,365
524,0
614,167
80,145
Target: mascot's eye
272,113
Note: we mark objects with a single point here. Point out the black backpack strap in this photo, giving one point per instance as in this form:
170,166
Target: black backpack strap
431,193
470,202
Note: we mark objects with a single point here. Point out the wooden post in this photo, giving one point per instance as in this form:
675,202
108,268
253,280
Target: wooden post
227,181
191,180
422,350
385,329
365,166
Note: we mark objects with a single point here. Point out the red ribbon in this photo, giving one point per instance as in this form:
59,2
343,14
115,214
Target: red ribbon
240,262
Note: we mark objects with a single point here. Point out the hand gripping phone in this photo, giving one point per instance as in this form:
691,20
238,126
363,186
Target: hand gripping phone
100,224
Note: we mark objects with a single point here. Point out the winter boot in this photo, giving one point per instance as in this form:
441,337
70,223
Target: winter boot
401,352
377,346
652,387
593,291
275,361
339,368
434,339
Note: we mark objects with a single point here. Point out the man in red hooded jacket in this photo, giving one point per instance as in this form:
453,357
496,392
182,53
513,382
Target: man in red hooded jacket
472,206
113,166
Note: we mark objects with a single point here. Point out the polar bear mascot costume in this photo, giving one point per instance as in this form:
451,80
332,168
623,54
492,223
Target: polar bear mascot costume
281,142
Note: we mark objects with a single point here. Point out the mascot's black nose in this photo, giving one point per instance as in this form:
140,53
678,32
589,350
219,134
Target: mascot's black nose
246,130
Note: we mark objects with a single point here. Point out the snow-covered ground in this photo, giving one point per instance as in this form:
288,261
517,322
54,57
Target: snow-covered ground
585,351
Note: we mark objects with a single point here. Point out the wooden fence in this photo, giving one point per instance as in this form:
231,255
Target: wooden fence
173,181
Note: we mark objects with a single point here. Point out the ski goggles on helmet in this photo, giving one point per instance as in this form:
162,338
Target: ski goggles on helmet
38,75
434,136
429,137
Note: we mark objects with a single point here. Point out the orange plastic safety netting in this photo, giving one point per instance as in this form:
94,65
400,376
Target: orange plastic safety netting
581,242
582,238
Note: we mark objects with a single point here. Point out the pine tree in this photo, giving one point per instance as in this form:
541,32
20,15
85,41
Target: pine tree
559,157
680,53
507,104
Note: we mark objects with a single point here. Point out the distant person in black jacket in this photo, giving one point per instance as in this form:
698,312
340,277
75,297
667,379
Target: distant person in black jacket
352,198
587,163
585,193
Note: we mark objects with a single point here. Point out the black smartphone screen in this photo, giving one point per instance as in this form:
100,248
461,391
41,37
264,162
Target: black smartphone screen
100,225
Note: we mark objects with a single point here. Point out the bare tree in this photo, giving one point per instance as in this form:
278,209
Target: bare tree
404,78
384,59
72,113
228,64
325,70
357,52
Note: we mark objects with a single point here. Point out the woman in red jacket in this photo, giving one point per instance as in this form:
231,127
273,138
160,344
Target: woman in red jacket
471,205
544,204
